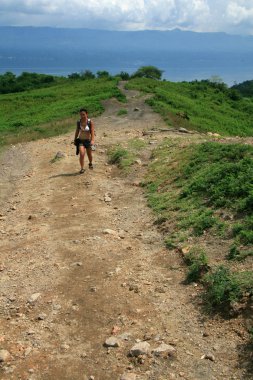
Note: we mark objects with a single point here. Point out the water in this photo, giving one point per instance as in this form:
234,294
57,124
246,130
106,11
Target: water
231,67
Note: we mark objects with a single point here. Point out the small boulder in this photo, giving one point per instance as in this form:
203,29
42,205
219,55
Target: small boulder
112,342
34,297
128,376
141,348
164,349
5,356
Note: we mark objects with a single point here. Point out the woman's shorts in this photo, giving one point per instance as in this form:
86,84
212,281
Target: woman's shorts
85,143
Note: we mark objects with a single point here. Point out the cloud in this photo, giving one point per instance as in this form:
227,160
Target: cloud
234,16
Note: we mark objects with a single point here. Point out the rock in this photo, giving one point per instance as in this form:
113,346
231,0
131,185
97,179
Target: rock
60,155
32,217
141,348
209,357
128,376
185,250
164,349
42,316
107,231
134,287
136,109
34,297
112,342
183,130
138,161
213,134
5,356
160,289
65,347
77,264
28,350
108,197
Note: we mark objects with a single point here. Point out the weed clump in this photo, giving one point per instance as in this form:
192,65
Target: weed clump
221,289
198,265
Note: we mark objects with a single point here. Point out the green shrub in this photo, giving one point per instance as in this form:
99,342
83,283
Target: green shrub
198,265
221,288
116,155
239,255
122,112
121,157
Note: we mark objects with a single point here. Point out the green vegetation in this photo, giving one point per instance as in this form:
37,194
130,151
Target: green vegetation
120,157
51,111
236,254
207,177
122,112
151,72
197,262
222,288
203,106
191,187
245,88
125,157
9,82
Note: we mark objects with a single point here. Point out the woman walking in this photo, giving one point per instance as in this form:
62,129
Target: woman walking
84,138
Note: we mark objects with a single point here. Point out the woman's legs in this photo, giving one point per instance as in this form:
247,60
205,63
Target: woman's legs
89,154
81,156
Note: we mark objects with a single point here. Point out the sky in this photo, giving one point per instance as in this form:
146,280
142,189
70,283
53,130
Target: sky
230,16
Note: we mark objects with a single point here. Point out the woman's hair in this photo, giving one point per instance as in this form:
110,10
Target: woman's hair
83,110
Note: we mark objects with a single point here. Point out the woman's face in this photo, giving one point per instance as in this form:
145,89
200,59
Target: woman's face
83,115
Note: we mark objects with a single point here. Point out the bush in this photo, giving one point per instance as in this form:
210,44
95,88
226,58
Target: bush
198,265
151,72
222,288
122,112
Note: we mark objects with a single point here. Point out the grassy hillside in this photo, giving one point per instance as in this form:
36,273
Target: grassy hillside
41,113
205,106
202,191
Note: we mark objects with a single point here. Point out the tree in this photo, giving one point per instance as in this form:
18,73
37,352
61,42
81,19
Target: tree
151,72
103,74
74,76
123,75
87,74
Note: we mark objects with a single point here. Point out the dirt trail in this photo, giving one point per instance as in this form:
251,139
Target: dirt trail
76,269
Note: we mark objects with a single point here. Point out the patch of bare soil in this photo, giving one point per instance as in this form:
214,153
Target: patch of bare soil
82,261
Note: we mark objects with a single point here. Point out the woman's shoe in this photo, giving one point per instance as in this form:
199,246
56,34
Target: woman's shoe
90,166
81,171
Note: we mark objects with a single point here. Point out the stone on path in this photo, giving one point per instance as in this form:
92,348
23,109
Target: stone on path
5,356
108,231
164,349
141,348
128,376
34,297
112,342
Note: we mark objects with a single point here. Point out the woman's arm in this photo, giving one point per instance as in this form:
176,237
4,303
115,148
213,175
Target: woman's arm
77,131
92,127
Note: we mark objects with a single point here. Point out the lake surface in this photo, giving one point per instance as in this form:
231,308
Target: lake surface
231,67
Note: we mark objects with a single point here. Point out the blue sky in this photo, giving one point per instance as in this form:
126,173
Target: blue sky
230,16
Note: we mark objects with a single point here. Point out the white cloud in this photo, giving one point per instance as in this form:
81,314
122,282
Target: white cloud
234,16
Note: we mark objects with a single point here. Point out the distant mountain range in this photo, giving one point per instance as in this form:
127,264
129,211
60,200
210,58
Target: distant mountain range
61,50
54,39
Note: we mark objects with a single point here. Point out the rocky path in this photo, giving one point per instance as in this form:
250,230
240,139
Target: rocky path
87,288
